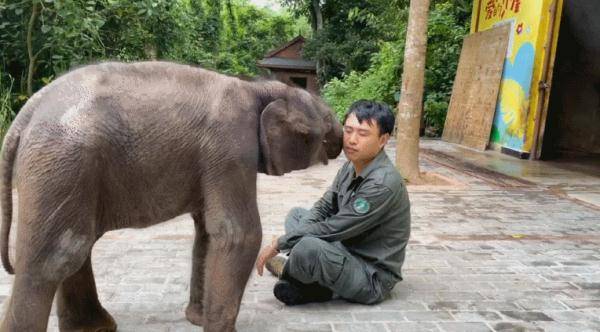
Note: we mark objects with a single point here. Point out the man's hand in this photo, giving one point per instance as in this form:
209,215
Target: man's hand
265,254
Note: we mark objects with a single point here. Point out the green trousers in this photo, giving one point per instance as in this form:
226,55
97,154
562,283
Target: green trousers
331,265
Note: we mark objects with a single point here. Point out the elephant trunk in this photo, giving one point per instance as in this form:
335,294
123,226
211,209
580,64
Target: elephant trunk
334,140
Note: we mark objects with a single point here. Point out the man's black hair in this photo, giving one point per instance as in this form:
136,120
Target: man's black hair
371,110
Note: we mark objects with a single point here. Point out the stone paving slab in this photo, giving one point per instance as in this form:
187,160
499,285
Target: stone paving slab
482,257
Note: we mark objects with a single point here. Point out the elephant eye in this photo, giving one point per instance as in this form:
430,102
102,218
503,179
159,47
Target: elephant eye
324,141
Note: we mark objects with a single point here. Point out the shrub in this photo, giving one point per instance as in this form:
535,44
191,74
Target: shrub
382,81
6,108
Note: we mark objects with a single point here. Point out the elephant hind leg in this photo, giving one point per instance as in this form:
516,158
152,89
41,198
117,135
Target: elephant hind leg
78,306
29,305
54,240
38,275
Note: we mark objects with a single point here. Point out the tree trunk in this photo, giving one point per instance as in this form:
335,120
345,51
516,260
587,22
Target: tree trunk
31,67
214,19
408,119
317,25
316,7
232,20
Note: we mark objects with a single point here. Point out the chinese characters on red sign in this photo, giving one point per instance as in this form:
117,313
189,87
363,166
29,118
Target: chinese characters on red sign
499,8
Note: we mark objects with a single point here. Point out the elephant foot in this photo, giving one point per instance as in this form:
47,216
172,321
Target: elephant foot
195,314
102,322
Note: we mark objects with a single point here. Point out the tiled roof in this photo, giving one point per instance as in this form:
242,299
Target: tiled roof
283,47
286,63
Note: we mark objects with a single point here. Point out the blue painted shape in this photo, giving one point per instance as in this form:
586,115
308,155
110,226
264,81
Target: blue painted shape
521,71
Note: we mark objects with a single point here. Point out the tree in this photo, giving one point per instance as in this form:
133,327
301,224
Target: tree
408,119
317,14
42,39
31,57
311,8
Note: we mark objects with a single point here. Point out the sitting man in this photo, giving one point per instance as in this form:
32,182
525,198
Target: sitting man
352,242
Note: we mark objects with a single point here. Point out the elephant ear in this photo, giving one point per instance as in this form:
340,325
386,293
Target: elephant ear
285,138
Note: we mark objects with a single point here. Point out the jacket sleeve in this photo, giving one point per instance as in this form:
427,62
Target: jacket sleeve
363,212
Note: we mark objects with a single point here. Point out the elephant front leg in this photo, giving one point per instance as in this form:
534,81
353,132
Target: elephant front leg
234,232
195,309
78,306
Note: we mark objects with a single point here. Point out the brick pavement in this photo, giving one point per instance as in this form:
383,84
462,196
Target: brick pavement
482,257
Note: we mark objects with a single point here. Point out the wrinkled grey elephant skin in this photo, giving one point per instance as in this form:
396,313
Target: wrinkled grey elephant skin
114,145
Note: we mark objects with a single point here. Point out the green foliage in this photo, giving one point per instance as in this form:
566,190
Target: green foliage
448,24
69,34
229,35
6,110
434,112
446,29
444,39
359,49
379,82
249,33
352,33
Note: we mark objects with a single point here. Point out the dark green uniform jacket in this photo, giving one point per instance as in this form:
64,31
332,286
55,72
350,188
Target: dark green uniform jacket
369,214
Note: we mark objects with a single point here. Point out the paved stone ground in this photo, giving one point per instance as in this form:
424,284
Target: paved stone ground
485,255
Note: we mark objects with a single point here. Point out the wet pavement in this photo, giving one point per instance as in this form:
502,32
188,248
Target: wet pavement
491,252
577,179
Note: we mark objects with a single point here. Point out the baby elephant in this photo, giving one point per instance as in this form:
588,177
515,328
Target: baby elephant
115,145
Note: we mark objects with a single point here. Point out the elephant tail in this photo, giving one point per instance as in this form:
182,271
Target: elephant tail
9,152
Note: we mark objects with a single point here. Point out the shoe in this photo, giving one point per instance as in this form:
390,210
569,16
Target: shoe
294,293
275,265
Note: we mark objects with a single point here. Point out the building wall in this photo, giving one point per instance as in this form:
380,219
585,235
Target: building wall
573,124
311,79
292,52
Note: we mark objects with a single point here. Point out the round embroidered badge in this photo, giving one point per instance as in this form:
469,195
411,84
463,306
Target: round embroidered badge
361,205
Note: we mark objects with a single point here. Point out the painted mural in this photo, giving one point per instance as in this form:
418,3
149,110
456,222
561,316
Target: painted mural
517,100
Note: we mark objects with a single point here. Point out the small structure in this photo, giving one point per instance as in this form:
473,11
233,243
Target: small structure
287,65
548,105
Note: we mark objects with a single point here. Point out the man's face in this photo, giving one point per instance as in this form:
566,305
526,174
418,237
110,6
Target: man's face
362,141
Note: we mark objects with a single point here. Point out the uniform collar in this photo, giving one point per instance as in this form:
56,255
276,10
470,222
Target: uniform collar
373,165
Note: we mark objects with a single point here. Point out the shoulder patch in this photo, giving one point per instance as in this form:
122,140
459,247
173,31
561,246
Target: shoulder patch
361,205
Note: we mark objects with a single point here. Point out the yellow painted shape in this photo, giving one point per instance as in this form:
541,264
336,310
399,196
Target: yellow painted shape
514,107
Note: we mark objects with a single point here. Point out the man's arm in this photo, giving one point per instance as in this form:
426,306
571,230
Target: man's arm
324,208
265,254
363,212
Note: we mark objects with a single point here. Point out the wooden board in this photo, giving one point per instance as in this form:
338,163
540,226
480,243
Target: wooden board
476,86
